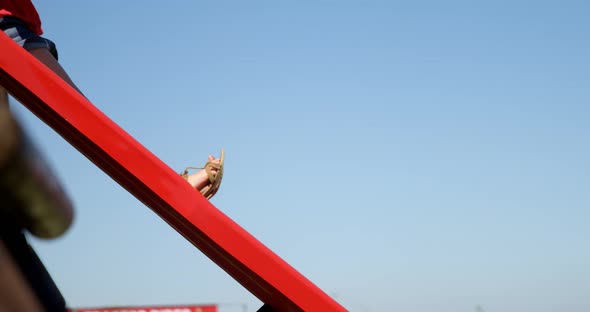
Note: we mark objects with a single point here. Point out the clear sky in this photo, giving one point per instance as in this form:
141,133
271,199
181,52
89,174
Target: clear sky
405,156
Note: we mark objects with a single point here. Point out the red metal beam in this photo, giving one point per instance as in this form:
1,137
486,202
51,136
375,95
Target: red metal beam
119,155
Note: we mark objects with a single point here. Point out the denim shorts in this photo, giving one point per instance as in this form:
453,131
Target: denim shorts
20,32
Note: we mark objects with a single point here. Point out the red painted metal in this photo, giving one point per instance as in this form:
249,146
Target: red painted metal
119,155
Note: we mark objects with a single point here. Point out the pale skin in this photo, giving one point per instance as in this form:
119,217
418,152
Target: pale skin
200,180
197,180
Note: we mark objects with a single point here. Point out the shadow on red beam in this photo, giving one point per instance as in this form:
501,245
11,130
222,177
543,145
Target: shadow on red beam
120,156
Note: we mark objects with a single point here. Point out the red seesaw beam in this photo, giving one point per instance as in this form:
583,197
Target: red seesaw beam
124,159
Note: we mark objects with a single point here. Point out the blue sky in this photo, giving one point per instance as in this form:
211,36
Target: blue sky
404,156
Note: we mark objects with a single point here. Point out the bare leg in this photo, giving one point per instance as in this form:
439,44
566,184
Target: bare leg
47,58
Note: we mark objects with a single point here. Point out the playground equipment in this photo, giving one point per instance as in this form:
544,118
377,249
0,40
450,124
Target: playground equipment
119,155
